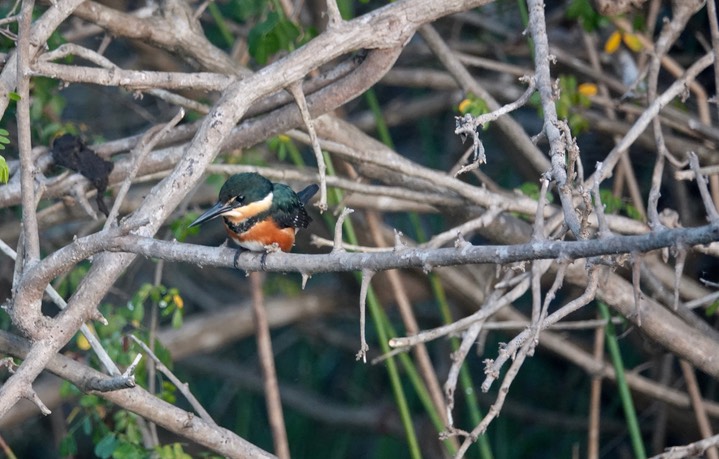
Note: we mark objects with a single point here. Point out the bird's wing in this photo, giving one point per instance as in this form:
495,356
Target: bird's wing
287,208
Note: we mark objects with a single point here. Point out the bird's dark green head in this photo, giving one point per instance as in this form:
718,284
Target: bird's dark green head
245,188
239,191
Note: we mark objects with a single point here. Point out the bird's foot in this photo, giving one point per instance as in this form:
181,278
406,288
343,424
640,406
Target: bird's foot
274,247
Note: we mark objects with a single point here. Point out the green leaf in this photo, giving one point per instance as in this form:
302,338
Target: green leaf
164,355
168,392
181,227
242,10
156,293
106,446
582,11
474,106
282,152
261,42
271,35
68,390
632,212
14,96
4,170
612,204
125,450
173,451
68,446
138,312
121,420
712,309
142,293
531,190
86,424
177,319
133,432
221,24
89,401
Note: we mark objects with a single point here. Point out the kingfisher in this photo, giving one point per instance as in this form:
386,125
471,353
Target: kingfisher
259,215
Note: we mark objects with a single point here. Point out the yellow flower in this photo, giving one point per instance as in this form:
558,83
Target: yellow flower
83,343
612,44
177,299
632,41
464,105
587,89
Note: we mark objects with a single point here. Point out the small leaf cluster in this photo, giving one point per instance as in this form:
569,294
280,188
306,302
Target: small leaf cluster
270,32
4,170
615,205
273,34
531,190
712,309
570,103
475,106
169,302
116,433
588,17
181,227
284,147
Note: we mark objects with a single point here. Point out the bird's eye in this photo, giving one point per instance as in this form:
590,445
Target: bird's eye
240,199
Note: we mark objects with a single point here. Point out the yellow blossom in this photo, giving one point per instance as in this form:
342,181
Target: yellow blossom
587,89
612,44
632,41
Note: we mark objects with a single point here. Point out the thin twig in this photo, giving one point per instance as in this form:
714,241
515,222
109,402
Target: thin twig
512,130
344,246
465,228
338,245
703,189
299,95
493,368
364,288
700,412
267,363
182,387
487,310
691,450
421,355
145,146
31,395
676,89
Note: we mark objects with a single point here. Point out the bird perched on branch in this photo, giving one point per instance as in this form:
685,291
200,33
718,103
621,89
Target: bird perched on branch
259,215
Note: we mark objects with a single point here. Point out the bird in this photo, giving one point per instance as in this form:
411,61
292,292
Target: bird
259,215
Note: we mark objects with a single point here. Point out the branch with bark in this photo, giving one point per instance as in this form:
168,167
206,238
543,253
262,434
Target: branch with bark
303,93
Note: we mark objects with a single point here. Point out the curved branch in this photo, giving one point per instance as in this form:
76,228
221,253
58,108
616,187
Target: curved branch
141,402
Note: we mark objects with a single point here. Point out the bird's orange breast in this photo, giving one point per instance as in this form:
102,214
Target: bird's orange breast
263,234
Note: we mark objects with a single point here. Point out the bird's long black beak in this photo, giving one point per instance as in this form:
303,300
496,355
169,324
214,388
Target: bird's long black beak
213,212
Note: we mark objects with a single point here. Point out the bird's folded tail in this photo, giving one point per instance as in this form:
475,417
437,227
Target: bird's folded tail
306,194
